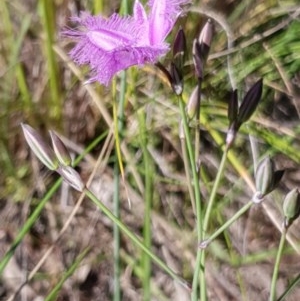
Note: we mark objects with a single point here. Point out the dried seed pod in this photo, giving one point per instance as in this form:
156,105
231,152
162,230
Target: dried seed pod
60,150
40,148
291,207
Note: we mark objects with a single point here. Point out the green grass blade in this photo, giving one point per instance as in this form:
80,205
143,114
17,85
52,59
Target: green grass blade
48,20
69,272
149,172
28,224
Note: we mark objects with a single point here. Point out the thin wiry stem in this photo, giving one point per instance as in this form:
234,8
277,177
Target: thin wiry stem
236,216
197,131
208,211
277,263
119,123
149,172
134,238
187,173
196,183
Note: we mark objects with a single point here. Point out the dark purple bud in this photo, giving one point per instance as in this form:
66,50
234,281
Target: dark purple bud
205,39
250,102
40,148
176,79
198,61
179,48
60,150
233,107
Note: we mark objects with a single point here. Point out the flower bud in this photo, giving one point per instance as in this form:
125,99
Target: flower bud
291,207
250,102
201,47
176,79
179,49
232,114
264,177
39,147
193,104
71,176
233,107
60,150
205,39
198,61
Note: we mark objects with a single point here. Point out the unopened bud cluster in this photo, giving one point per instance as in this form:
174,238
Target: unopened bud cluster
237,115
56,158
201,47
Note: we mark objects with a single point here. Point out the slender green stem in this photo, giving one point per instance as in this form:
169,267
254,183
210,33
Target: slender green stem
213,193
187,172
98,6
193,167
134,238
236,216
149,171
195,176
118,168
116,232
124,7
197,130
119,121
276,265
208,211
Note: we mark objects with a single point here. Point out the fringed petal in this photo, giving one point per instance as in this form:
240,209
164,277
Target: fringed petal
162,18
114,44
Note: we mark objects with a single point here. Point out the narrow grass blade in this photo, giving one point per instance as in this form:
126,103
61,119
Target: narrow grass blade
54,292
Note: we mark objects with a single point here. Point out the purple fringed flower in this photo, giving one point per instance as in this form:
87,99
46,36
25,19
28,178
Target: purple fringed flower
114,44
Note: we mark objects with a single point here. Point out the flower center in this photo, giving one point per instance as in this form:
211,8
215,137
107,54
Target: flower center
109,40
